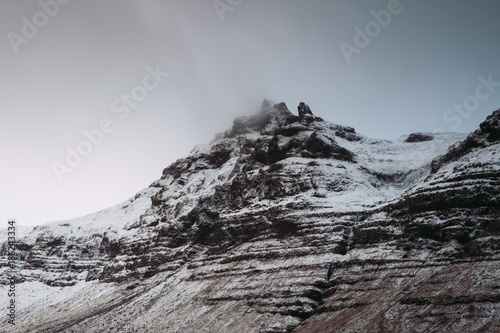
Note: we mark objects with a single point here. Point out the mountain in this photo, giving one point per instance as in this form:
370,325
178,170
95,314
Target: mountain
283,223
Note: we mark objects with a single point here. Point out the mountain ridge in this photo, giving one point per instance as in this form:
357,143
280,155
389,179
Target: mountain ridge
285,219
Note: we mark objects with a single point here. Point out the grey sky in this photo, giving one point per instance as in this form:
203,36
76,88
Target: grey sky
65,78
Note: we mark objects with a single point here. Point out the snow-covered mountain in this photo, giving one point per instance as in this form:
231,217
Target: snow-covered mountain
282,223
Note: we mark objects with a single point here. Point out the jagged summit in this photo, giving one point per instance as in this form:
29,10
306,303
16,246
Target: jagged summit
271,117
268,119
282,134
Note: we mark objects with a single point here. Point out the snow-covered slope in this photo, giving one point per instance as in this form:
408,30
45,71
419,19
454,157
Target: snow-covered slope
259,230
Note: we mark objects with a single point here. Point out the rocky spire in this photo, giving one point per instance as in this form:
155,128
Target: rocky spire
304,109
266,105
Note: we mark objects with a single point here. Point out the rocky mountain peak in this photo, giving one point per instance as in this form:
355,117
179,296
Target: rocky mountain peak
293,223
264,122
281,134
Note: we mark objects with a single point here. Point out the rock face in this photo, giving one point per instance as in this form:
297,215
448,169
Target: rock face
418,137
284,223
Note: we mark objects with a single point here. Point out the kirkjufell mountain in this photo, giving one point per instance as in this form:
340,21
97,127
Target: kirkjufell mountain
283,223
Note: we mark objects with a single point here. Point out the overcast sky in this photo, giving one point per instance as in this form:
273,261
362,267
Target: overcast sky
81,65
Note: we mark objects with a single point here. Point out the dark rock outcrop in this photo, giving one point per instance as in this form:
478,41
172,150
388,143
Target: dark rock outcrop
418,137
